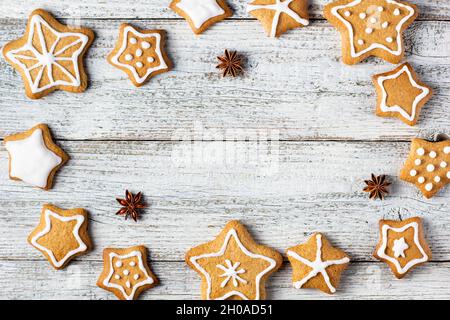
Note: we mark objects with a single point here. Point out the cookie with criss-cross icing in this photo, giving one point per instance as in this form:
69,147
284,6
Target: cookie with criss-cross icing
371,27
50,56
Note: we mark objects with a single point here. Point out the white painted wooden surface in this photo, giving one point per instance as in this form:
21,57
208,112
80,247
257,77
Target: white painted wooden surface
317,112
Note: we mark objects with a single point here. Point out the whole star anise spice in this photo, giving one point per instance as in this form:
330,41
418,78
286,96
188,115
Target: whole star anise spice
377,187
230,63
130,205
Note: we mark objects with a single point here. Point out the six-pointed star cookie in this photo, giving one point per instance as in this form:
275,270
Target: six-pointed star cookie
402,245
201,14
49,56
126,272
371,27
428,166
33,156
278,16
401,94
140,54
61,235
316,264
233,266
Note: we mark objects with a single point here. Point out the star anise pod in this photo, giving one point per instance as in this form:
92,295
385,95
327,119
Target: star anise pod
130,205
377,187
230,63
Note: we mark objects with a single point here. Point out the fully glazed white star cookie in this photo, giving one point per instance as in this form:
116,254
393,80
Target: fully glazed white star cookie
33,157
140,54
126,272
371,27
61,235
49,56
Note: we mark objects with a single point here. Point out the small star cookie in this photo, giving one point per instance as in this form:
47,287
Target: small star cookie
278,16
33,157
401,94
371,27
316,264
61,235
140,54
402,245
126,272
233,266
201,14
428,166
49,56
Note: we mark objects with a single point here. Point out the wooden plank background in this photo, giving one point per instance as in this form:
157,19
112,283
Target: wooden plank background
196,145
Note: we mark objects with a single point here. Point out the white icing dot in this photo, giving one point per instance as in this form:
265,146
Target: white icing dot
369,30
447,150
421,180
139,64
413,173
347,13
389,39
132,264
145,45
420,151
136,276
133,40
118,264
380,9
138,53
126,272
151,59
396,12
128,284
385,24
117,277
437,179
448,174
362,15
433,154
373,20
418,162
430,168
429,186
360,42
128,57
443,164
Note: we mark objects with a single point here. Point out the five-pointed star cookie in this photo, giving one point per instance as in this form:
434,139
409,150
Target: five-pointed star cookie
278,16
49,56
402,245
233,266
201,14
428,166
140,54
401,94
61,235
316,264
126,272
371,27
33,157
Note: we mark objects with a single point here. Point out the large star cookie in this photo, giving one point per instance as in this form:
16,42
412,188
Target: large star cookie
50,56
140,54
402,245
278,16
201,14
233,266
33,157
371,27
126,272
428,166
316,264
401,94
61,235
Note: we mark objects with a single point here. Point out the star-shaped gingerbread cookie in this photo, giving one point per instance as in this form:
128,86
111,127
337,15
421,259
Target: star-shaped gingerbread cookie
201,14
316,264
33,157
233,266
371,27
428,166
401,94
61,235
126,272
50,55
278,16
402,245
140,54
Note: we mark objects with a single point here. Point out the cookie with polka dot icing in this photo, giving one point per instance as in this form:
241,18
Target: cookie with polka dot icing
371,27
428,166
402,245
126,272
140,54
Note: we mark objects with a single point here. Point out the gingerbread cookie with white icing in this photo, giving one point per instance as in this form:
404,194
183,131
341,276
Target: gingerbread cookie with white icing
402,245
371,27
233,266
201,14
61,235
316,264
140,54
50,56
126,272
33,157
401,94
428,166
279,16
